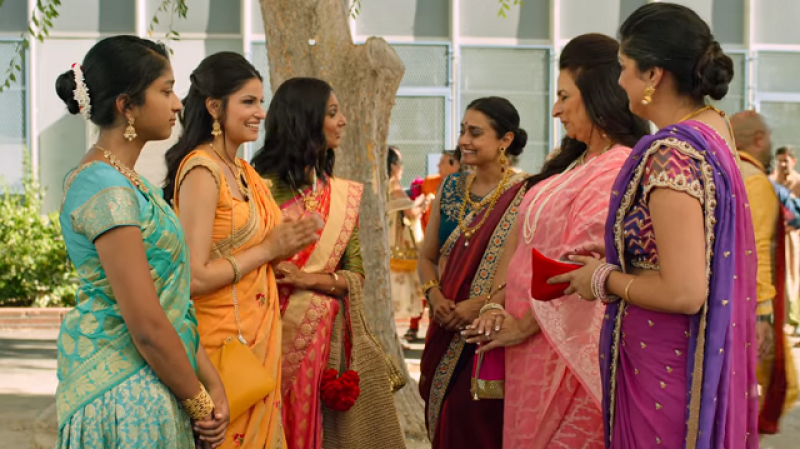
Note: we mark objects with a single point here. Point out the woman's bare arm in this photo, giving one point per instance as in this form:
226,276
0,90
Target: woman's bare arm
123,257
680,286
398,193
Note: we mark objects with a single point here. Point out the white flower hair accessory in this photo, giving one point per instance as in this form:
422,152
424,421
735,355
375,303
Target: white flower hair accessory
81,92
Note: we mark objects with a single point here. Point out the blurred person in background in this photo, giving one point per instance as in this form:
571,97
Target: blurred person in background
405,235
786,175
776,371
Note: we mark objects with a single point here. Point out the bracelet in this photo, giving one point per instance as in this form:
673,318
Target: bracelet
199,406
599,278
429,285
627,295
490,306
335,278
237,273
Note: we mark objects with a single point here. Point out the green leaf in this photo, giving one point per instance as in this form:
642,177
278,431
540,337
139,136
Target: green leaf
12,77
35,20
155,19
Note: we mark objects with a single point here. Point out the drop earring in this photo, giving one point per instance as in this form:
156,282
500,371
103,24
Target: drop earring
216,129
130,131
503,160
648,94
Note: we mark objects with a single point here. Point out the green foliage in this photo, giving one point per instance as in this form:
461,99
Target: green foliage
41,22
171,7
505,5
39,26
355,8
33,257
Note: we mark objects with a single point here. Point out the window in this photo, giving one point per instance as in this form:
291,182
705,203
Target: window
522,76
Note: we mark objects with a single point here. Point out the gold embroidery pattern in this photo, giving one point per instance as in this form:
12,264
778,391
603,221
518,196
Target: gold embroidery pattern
482,284
355,191
319,306
679,183
227,245
645,264
106,209
710,203
196,160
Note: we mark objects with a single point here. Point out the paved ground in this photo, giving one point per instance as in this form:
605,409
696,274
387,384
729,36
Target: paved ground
28,382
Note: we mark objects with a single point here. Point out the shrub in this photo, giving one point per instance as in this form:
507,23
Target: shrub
34,270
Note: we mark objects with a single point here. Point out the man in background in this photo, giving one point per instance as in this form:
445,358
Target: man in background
786,175
775,371
449,163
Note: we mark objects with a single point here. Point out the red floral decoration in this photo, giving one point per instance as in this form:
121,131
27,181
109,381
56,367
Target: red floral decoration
238,439
261,299
340,392
416,188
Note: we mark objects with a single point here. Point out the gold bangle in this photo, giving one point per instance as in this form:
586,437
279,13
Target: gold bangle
199,406
237,273
490,306
429,285
627,295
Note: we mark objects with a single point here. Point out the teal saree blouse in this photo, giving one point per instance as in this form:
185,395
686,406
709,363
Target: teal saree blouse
97,358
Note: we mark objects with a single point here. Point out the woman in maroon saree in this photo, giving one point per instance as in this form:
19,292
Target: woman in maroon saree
471,220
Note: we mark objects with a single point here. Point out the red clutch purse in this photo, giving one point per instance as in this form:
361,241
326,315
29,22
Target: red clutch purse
544,268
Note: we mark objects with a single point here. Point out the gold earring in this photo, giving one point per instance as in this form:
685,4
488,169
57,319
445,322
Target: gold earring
216,130
130,131
503,160
648,94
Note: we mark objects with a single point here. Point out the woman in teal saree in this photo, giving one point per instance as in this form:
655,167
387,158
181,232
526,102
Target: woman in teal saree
131,371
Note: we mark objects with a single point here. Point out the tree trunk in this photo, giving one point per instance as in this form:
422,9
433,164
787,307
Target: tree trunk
312,38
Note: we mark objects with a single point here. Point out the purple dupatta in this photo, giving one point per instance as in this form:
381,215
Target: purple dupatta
722,401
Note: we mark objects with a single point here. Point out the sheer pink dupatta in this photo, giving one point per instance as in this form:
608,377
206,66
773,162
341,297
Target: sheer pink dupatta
575,220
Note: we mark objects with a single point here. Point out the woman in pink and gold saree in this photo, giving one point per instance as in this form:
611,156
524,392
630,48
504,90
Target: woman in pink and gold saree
678,343
470,223
552,377
305,123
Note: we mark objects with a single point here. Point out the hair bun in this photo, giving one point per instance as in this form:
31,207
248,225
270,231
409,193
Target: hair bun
714,72
65,88
520,140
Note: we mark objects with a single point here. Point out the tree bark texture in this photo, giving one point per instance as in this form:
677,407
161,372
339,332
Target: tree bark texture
312,38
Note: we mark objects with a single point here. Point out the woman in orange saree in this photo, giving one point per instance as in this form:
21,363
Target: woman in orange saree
233,230
304,126
553,391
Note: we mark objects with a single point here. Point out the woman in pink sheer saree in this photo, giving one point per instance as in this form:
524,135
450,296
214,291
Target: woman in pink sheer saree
552,382
678,346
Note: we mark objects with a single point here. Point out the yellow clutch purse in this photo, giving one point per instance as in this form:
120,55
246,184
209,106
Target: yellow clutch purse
245,378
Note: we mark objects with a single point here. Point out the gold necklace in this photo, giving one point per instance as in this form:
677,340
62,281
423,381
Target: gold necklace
310,202
467,231
697,112
236,171
122,168
582,158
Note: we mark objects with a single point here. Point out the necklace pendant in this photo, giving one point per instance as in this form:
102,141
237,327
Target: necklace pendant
466,243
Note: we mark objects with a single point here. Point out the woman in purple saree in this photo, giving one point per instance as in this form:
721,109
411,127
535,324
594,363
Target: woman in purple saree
678,350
